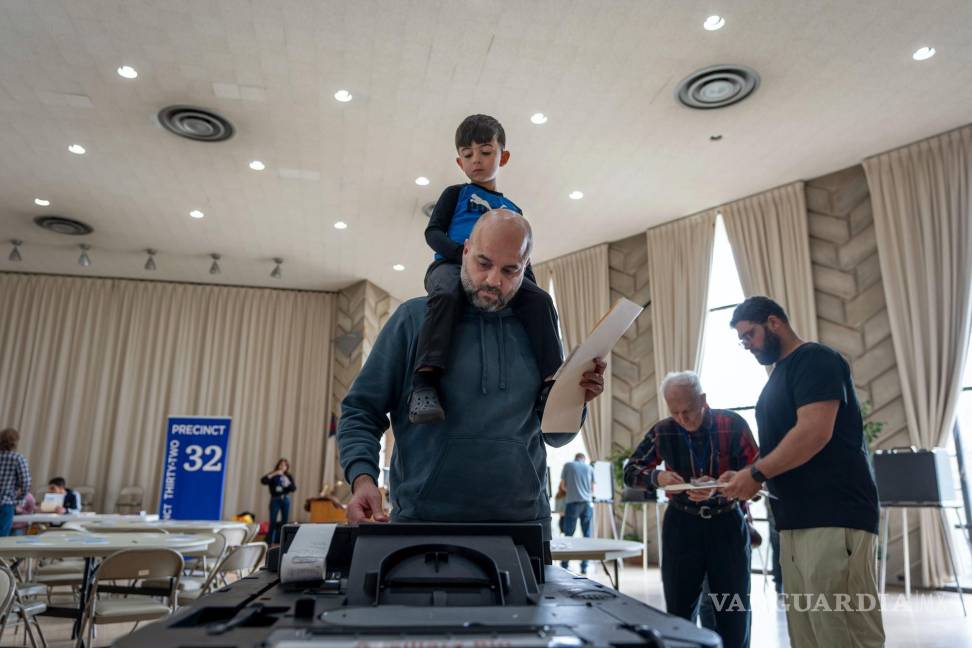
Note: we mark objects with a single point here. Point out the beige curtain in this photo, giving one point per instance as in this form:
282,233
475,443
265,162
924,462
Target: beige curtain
544,273
771,246
922,200
583,296
91,368
679,257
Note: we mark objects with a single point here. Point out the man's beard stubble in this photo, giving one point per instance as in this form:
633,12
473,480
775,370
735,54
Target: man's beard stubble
772,348
474,295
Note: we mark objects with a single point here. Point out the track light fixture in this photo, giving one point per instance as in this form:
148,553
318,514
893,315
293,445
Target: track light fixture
277,272
214,269
15,252
84,260
150,263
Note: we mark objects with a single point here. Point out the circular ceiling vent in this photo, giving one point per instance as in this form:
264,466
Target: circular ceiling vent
195,124
717,86
63,225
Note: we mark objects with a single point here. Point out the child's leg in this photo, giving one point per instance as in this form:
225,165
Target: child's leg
535,310
442,312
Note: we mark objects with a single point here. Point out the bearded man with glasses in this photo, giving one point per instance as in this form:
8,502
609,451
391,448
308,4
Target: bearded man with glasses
814,461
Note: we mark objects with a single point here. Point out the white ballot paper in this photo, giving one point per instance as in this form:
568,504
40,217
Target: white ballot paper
565,403
681,488
708,485
304,560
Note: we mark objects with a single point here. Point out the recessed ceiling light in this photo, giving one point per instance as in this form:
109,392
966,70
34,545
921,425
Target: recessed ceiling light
340,225
538,118
195,213
923,53
576,195
77,149
127,71
713,23
343,96
421,181
398,267
41,202
257,165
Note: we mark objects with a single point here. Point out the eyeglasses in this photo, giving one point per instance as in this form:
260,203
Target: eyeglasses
746,338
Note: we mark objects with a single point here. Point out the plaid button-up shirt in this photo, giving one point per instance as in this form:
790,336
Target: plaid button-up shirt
731,447
14,478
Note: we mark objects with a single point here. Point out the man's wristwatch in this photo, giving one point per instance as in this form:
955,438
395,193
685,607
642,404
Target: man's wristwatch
757,475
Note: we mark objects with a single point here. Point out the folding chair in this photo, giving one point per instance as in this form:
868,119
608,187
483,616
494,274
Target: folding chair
241,560
131,565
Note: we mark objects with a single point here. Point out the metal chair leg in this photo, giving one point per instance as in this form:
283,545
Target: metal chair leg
40,633
28,633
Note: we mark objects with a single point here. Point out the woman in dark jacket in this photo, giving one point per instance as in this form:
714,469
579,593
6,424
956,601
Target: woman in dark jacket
281,484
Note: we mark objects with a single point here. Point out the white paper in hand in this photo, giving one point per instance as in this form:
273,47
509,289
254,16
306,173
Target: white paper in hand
565,403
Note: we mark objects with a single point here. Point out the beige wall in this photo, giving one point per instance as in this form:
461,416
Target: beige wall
362,310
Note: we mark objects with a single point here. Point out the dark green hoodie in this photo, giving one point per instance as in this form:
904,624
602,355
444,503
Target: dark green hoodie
487,461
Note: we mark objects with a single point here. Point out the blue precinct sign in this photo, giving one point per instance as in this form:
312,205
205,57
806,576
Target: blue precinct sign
194,468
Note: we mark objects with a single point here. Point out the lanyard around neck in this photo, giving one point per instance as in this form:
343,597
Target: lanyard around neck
707,453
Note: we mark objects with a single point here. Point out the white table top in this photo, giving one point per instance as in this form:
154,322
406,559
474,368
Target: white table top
593,549
172,526
48,518
66,544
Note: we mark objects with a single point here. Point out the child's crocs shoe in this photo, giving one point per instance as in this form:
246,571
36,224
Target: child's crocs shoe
424,406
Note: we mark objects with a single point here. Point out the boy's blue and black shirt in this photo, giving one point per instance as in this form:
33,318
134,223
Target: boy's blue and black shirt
455,214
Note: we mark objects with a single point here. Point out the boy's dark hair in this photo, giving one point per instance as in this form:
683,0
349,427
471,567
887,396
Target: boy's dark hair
758,310
479,129
57,481
8,440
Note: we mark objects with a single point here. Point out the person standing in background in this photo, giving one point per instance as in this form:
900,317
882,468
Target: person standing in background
577,480
14,478
281,484
814,460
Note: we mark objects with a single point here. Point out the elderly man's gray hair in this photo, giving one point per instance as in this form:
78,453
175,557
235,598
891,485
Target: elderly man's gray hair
688,379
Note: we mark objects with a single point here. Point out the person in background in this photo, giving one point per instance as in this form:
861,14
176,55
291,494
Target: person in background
705,538
814,460
281,484
14,478
26,507
72,501
577,481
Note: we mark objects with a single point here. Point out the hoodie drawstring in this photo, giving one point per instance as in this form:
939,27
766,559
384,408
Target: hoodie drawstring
482,352
502,354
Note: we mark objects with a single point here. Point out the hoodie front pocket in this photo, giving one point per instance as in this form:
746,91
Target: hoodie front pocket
481,479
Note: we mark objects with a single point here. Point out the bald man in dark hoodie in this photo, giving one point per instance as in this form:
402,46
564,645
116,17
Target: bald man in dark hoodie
486,462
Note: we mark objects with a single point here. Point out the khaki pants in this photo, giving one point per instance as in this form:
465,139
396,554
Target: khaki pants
830,588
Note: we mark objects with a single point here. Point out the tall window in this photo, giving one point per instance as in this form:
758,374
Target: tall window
963,417
557,457
731,377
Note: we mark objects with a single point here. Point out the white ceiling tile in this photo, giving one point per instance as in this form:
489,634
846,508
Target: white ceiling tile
838,84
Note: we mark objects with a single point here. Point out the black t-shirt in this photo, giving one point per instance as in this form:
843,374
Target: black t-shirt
836,487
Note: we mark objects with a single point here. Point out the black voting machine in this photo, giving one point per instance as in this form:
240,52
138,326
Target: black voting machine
423,585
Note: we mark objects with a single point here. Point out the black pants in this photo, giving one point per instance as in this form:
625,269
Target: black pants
718,549
447,301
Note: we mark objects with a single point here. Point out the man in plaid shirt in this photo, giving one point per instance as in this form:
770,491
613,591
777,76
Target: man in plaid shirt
14,478
704,536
